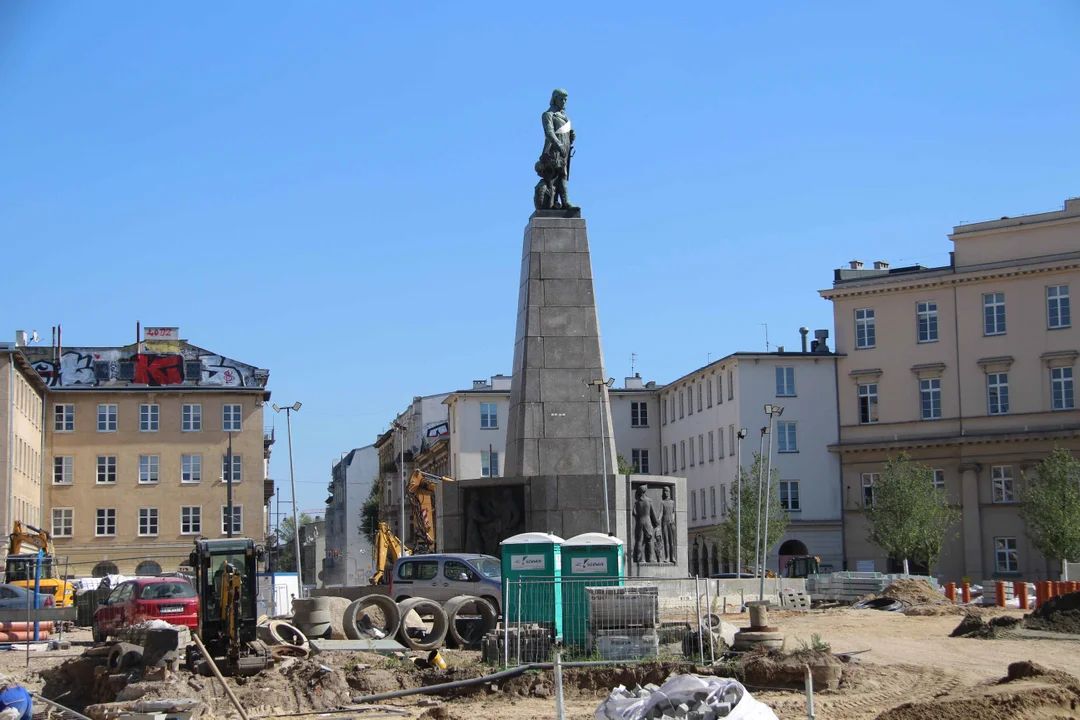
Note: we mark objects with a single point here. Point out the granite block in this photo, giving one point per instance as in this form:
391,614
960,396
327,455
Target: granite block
544,492
566,352
561,265
564,321
561,456
533,420
534,352
569,420
581,492
572,293
558,384
576,522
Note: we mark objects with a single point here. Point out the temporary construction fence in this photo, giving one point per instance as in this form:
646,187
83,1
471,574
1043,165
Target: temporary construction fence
605,619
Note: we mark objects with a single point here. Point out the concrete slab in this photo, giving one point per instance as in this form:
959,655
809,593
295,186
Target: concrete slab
385,645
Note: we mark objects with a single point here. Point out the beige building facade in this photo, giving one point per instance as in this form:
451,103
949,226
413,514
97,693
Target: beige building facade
22,439
136,453
969,369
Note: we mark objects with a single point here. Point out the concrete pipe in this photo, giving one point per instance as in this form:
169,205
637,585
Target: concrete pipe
123,656
429,639
468,620
312,616
279,632
362,618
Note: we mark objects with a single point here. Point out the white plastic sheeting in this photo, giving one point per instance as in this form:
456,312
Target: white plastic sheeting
685,696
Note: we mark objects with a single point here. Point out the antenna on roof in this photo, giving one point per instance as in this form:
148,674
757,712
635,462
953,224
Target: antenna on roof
633,360
767,346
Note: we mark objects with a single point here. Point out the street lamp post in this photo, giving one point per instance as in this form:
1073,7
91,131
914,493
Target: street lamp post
738,510
757,533
289,409
401,477
773,411
228,487
602,385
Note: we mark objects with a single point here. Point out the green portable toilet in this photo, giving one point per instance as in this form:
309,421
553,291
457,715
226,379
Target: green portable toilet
532,574
589,560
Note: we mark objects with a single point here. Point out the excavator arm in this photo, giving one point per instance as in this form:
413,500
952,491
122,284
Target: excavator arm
387,550
28,535
421,493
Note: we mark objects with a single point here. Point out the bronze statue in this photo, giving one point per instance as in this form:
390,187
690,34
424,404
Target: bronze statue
645,525
553,167
667,525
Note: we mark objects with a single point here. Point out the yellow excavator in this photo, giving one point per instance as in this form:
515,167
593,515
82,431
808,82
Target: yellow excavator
23,545
420,492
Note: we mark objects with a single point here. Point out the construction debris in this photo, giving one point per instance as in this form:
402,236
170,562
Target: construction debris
684,697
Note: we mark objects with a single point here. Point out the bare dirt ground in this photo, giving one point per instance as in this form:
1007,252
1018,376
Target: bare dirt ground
909,659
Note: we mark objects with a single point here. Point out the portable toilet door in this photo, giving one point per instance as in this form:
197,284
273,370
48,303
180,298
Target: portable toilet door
589,560
532,574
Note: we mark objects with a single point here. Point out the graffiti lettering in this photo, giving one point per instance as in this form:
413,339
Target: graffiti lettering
159,369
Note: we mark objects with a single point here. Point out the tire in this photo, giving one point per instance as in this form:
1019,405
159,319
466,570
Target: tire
431,640
469,605
99,636
883,603
390,611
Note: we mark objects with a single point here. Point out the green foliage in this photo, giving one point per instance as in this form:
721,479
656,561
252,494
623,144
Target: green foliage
746,491
369,512
286,561
1050,505
910,519
625,468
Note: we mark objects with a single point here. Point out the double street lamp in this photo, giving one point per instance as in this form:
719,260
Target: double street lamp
289,409
773,411
600,386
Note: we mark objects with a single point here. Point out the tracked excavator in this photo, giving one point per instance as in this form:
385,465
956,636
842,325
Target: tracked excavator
20,567
420,492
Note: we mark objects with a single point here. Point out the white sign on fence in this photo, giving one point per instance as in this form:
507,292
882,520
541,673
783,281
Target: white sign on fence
588,565
528,562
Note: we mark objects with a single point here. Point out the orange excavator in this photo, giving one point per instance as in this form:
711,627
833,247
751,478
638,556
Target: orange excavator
20,567
420,492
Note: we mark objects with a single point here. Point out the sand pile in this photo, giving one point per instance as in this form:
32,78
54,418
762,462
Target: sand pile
976,626
1059,614
913,592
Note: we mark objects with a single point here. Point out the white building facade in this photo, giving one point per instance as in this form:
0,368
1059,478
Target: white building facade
348,559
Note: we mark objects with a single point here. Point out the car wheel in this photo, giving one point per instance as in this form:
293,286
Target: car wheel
99,636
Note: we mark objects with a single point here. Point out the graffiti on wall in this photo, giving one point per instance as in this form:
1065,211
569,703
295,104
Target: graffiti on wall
106,366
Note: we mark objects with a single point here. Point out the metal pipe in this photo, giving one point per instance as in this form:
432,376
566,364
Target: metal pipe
809,694
767,500
560,711
58,706
697,596
217,673
738,510
709,614
401,480
603,458
757,535
296,522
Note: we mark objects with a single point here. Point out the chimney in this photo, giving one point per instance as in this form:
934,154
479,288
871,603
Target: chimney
479,384
881,265
804,331
20,338
779,348
500,382
651,385
856,264
633,383
821,341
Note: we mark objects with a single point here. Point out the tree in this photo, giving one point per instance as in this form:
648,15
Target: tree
625,468
1050,505
369,512
746,492
910,518
286,559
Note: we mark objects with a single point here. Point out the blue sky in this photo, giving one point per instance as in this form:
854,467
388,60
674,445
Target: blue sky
336,191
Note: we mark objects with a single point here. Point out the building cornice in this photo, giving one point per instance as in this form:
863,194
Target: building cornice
897,444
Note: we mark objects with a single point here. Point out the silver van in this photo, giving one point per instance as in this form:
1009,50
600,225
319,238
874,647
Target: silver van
442,576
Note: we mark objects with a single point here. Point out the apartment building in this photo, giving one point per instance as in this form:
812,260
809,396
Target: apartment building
967,368
137,453
701,416
348,555
22,437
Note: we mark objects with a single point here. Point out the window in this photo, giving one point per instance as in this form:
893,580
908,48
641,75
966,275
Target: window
730,385
723,499
237,519
731,439
682,454
1005,555
63,418
148,468
191,418
664,460
690,402
1057,307
682,404
237,468
712,446
719,389
930,395
454,570
663,411
106,469
674,459
419,570
994,314
939,479
720,440
786,439
191,468
106,522
672,407
702,503
489,415
106,418
639,414
927,314
997,393
63,470
693,505
701,449
148,522
190,520
785,381
640,459
868,409
691,451
789,495
699,394
230,418
865,335
868,480
489,463
1061,387
63,522
148,418
1002,479
708,392
712,500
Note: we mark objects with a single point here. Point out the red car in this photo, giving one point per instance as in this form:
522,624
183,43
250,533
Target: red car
157,598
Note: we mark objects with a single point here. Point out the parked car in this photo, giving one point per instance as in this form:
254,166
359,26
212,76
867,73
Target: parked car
150,598
14,597
441,577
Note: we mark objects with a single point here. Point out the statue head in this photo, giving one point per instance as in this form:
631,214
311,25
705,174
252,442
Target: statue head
641,491
667,493
558,99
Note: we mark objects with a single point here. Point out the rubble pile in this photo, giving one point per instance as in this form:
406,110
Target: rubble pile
683,697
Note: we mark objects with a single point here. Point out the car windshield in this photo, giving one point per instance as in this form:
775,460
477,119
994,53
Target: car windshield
167,591
21,569
490,567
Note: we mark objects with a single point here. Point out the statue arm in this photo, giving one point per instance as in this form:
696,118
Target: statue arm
549,130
